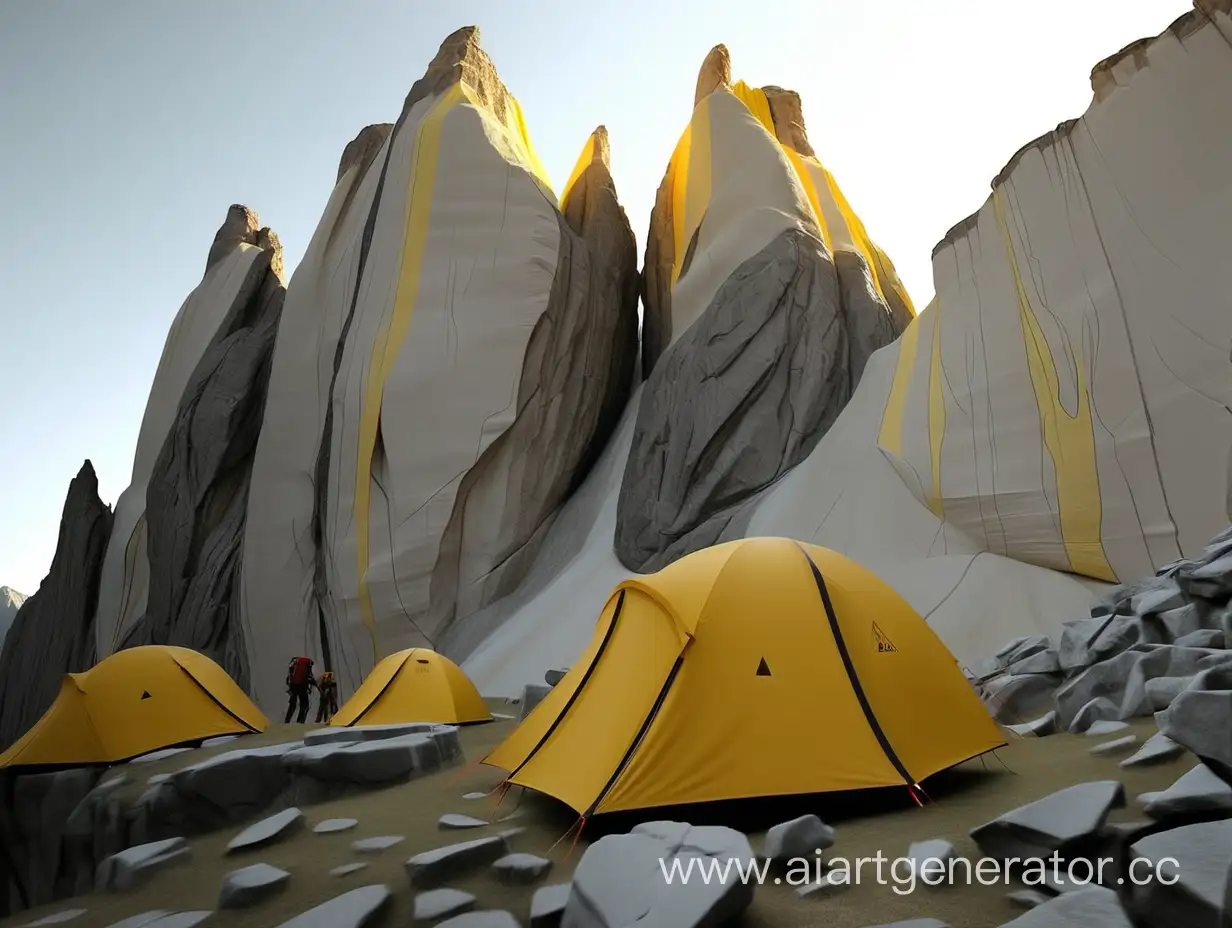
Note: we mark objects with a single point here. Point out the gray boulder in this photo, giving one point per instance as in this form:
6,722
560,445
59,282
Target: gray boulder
1040,662
1115,746
1161,691
436,904
452,820
1045,725
134,865
1012,698
1184,878
376,844
343,766
930,860
1200,791
274,828
1201,716
1092,907
251,886
1093,712
547,905
1210,580
1160,595
431,869
358,908
355,733
520,869
1103,727
552,677
1062,822
532,695
801,837
623,880
333,825
1020,649
1202,638
1158,749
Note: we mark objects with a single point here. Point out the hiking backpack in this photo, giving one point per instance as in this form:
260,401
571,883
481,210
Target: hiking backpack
299,671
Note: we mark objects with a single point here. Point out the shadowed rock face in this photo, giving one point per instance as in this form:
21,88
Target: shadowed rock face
754,338
576,378
198,490
52,634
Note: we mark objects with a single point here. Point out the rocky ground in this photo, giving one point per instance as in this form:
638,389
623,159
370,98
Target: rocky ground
291,867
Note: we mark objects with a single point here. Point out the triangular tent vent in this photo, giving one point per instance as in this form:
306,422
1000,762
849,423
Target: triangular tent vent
145,694
763,670
884,645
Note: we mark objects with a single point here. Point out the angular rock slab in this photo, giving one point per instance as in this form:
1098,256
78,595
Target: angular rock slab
348,869
1092,907
930,859
800,837
181,919
351,734
831,883
251,886
1201,716
144,920
1100,728
520,869
1189,869
547,905
278,826
1115,746
473,796
355,909
490,918
377,844
532,695
1055,823
1158,749
619,880
1198,791
430,869
58,918
378,761
1041,727
455,821
131,866
441,903
332,825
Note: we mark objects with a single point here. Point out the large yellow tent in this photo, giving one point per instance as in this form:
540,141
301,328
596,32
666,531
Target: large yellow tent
416,685
759,667
136,701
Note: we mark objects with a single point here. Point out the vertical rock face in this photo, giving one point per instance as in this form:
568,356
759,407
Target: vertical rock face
1065,399
433,394
241,254
52,634
198,488
764,299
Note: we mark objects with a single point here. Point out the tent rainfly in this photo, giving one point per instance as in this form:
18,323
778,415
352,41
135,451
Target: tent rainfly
758,667
135,701
416,685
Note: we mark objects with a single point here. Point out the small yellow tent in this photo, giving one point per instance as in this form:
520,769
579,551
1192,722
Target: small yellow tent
416,685
759,667
136,701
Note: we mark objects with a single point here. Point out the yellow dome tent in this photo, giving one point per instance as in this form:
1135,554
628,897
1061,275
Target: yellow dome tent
136,701
416,685
759,667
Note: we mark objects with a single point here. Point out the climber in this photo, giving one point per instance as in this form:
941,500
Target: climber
300,683
327,686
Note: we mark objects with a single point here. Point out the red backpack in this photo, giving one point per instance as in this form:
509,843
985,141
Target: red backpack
299,671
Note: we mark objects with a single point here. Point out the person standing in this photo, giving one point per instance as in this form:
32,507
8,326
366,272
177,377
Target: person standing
300,682
327,687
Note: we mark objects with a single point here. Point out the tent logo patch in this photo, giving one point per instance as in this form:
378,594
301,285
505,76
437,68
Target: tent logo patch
763,669
145,694
883,644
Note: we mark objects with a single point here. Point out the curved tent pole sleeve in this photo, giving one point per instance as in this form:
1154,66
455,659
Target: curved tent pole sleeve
607,637
214,699
854,678
641,734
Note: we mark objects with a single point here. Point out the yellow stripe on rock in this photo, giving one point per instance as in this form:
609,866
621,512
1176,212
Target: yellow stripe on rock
936,413
1070,439
755,99
891,435
858,233
690,182
425,155
523,135
810,190
583,162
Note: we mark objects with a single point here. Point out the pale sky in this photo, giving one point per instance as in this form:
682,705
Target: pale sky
128,127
